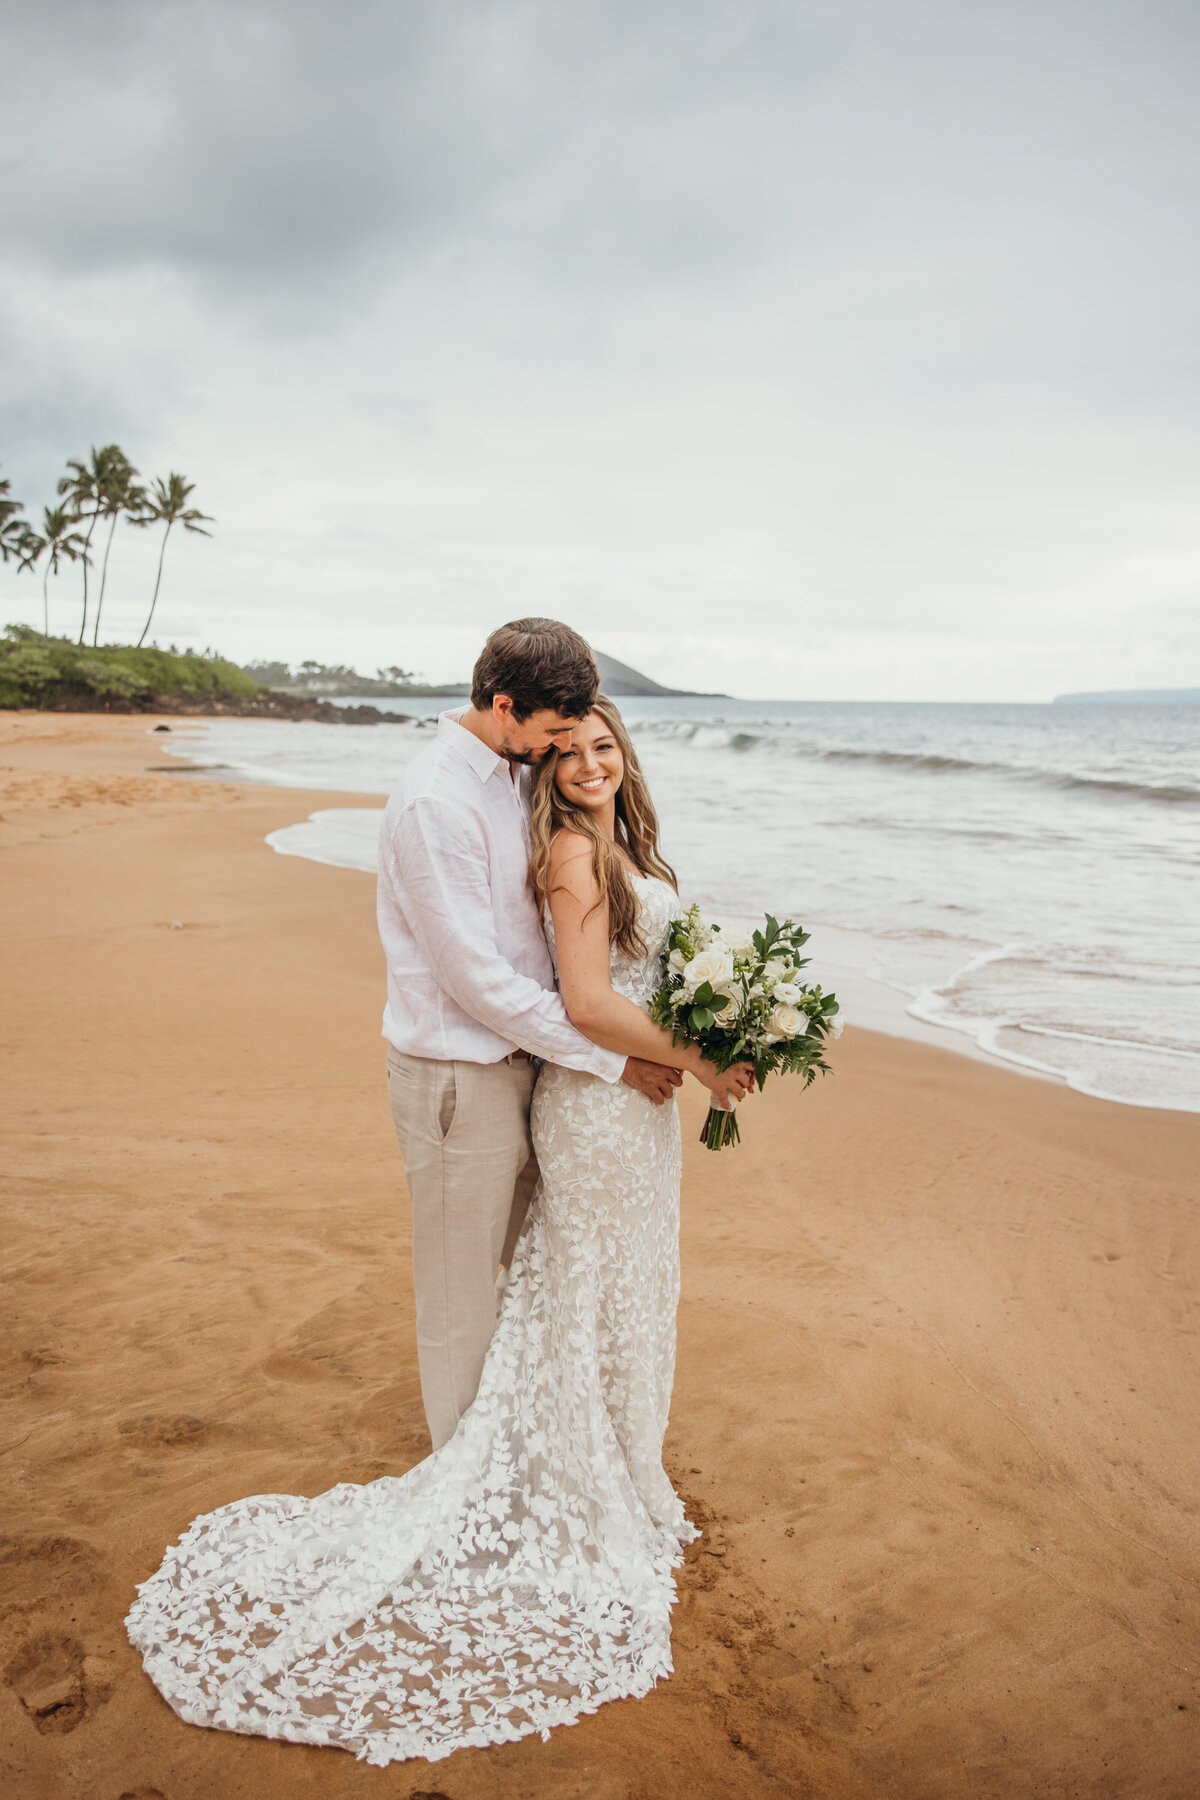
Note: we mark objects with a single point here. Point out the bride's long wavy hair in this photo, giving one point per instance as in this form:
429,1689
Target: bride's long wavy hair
636,833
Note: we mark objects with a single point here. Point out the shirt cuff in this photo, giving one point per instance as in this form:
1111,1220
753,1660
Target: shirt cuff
609,1065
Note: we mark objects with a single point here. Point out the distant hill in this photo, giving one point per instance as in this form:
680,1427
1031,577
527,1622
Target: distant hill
622,682
1135,697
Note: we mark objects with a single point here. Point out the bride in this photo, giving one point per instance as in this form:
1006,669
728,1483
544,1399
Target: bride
523,1574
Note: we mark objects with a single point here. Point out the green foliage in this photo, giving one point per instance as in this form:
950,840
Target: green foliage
13,533
745,1003
311,677
268,674
40,671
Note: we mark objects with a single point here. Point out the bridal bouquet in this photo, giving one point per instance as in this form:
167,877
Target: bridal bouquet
738,995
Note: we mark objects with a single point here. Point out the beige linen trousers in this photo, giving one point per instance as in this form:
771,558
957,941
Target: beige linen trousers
463,1130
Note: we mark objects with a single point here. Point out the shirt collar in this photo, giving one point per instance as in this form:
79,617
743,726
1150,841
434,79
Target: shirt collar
473,750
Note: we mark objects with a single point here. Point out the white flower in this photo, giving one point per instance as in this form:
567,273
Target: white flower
697,932
778,970
736,937
833,1027
789,992
677,962
788,1021
714,966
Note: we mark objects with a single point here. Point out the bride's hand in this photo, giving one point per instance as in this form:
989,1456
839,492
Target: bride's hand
728,1085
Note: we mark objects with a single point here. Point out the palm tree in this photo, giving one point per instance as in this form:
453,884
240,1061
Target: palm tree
60,540
168,505
121,495
8,507
11,528
87,487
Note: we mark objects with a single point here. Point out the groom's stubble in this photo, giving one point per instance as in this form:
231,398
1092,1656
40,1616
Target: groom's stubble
525,758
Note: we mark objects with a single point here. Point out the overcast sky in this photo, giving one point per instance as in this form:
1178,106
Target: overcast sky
840,349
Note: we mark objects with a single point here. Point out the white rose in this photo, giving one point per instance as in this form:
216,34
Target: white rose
834,1027
789,993
714,966
677,962
737,937
788,1021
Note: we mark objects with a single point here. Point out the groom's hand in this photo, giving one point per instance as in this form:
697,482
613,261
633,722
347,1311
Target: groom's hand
652,1078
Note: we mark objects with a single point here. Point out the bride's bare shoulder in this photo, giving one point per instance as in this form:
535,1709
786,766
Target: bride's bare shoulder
571,862
567,846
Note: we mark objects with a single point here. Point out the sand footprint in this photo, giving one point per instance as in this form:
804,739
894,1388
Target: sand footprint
36,1568
47,1677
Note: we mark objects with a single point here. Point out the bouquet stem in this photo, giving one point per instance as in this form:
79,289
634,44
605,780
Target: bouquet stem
720,1128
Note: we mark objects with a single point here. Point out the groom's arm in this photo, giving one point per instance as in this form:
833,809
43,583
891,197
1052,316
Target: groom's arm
435,861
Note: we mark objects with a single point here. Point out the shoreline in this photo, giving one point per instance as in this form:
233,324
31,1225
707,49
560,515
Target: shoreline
860,963
877,1005
935,1386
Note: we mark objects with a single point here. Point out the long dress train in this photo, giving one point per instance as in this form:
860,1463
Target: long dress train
522,1574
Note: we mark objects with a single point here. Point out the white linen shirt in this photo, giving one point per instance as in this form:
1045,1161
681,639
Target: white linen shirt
469,975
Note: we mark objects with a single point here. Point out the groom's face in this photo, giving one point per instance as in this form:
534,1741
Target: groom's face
527,740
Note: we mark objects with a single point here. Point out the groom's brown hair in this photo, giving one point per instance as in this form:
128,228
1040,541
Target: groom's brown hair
541,665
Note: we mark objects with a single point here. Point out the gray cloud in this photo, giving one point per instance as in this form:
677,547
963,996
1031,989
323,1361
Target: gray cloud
244,140
864,324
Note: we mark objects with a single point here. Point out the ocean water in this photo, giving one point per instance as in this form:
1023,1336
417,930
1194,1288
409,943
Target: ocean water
1026,878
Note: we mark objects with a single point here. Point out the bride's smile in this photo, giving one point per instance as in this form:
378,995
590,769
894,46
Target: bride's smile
590,773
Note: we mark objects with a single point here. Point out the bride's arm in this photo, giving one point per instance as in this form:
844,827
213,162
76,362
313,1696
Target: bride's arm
594,1007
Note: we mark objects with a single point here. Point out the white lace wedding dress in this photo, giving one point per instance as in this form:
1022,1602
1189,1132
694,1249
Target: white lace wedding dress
522,1574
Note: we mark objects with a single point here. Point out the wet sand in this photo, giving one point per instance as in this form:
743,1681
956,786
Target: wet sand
936,1395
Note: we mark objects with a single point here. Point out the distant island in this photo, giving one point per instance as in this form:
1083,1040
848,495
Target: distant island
1134,697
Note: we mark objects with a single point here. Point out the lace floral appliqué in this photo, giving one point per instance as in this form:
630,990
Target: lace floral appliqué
521,1575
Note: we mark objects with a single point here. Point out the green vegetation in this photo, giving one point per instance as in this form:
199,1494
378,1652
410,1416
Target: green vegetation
338,678
104,485
328,678
36,670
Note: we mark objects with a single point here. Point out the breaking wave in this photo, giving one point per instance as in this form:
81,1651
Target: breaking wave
716,734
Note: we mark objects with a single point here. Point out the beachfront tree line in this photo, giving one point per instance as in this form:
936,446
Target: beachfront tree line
94,492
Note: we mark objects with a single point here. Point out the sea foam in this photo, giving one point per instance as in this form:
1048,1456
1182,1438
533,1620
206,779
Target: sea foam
1021,879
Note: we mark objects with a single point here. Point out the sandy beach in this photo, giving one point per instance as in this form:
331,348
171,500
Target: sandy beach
936,1394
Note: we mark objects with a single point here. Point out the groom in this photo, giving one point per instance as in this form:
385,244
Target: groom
471,995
